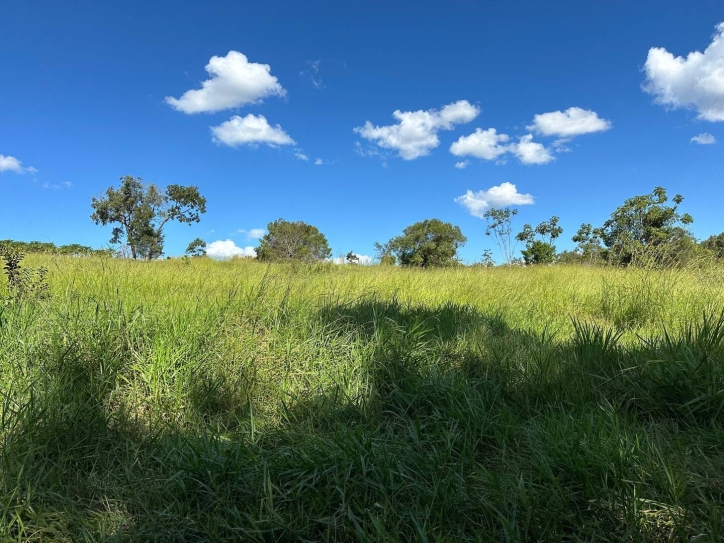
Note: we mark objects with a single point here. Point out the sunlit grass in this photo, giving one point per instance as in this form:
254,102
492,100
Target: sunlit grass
210,401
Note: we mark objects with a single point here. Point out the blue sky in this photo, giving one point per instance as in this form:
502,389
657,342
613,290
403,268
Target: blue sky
92,91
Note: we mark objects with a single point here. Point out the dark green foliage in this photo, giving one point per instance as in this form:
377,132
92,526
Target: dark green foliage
351,258
23,283
589,241
38,247
196,248
540,251
426,244
286,241
715,244
141,212
644,227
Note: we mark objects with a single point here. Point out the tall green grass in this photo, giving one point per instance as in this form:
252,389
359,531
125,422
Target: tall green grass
232,401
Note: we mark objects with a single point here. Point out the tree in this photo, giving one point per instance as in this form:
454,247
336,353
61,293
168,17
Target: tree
141,212
589,241
286,240
426,244
540,251
645,226
196,248
715,244
500,227
351,258
486,260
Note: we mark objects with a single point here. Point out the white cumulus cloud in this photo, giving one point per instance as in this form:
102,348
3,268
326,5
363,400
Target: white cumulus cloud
250,130
530,152
234,82
485,144
226,249
415,134
12,164
695,81
300,155
704,139
503,195
574,121
462,165
489,145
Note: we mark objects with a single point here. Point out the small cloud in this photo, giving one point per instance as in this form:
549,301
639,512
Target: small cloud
12,164
483,144
704,139
224,250
503,195
462,165
489,145
312,72
415,133
300,155
250,130
574,121
320,162
64,184
234,82
530,152
254,233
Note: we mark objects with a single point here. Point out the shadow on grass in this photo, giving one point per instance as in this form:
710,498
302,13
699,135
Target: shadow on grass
467,429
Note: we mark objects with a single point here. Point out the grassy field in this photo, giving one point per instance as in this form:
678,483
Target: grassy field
232,401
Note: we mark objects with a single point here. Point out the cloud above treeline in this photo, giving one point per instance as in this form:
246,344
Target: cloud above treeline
415,133
503,195
704,139
226,249
234,82
12,164
693,82
574,121
250,130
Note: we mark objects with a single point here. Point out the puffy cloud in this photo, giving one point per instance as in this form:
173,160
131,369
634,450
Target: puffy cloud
503,195
234,82
12,164
254,233
695,81
574,121
530,152
415,134
704,139
363,260
485,144
250,130
226,249
489,145
462,165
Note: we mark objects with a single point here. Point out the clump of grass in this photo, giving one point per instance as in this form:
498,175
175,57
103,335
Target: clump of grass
210,401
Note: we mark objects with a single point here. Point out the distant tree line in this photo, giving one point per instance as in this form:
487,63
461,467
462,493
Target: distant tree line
72,249
646,229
